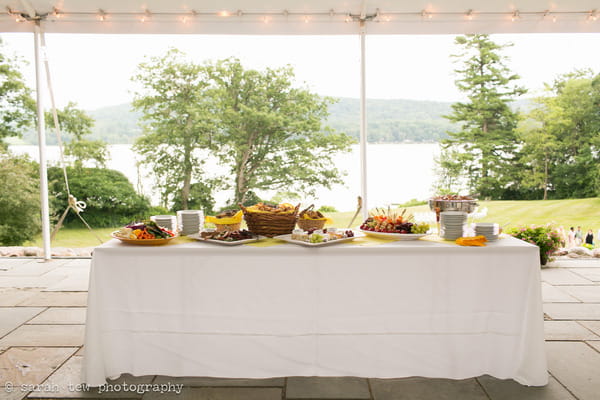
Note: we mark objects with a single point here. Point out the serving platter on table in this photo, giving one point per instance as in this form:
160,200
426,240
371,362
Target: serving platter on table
143,242
197,236
288,238
396,236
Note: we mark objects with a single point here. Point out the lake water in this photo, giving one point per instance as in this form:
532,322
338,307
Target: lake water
396,174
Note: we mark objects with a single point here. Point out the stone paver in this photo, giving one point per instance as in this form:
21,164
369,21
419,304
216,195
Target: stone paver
60,315
45,335
592,274
426,389
577,366
327,388
68,383
594,326
554,294
41,281
570,291
24,367
56,299
30,269
77,281
6,264
12,318
217,382
588,294
10,297
576,263
567,330
573,311
559,276
229,393
507,389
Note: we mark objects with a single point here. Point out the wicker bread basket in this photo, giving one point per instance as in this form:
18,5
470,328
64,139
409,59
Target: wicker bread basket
307,224
270,224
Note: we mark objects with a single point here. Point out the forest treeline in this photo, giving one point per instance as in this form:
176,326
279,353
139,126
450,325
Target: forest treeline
389,121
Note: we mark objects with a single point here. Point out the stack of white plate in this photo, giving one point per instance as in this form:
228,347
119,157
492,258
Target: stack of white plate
487,229
452,224
165,221
190,221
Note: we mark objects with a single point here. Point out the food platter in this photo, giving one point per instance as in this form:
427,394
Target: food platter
197,236
143,242
395,236
288,238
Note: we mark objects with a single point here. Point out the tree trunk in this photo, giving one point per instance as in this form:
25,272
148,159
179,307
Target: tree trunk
546,177
187,169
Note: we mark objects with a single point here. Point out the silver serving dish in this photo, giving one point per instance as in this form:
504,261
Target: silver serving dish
438,206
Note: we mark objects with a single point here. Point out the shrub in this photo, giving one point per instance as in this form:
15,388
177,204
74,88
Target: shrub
412,203
19,200
327,209
546,237
110,197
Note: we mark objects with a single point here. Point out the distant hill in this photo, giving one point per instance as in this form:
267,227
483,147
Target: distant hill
388,121
392,121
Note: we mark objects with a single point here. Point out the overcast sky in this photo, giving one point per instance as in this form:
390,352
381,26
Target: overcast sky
95,70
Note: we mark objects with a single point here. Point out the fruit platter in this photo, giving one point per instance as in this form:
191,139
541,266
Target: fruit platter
389,224
227,238
144,233
319,237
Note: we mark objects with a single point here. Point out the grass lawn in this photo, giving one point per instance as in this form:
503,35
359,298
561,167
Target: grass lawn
577,212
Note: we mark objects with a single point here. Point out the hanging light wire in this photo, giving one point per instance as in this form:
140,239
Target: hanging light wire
272,16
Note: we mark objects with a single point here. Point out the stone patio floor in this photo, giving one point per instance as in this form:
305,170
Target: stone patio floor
42,317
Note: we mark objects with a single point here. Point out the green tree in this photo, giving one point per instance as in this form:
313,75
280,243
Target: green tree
484,147
538,155
17,108
77,124
19,200
270,132
179,121
561,140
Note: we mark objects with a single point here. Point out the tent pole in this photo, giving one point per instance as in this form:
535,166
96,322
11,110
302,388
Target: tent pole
45,208
363,124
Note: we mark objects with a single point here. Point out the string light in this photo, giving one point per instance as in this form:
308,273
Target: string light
515,16
308,17
101,15
147,15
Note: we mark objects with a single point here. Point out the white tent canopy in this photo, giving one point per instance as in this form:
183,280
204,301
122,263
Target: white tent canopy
303,17
288,17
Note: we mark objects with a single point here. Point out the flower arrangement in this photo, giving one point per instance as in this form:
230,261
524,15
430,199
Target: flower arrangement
546,237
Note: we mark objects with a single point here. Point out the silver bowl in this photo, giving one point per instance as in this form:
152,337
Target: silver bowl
438,206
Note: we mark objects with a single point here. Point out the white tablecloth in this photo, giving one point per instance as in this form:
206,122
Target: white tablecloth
395,310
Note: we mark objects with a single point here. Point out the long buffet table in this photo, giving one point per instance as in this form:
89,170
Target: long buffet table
415,308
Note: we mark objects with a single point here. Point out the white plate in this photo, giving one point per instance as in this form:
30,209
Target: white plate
397,236
288,238
223,242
